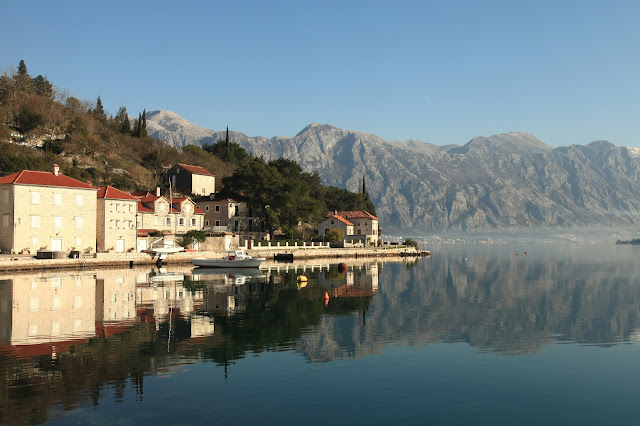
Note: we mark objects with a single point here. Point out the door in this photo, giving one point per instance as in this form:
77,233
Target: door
120,246
142,245
56,244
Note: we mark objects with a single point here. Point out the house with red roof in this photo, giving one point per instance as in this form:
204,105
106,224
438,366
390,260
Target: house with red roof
188,179
157,214
46,211
116,220
359,226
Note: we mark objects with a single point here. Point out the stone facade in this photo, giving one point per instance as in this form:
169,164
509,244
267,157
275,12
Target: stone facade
46,211
226,214
116,220
190,179
357,225
335,222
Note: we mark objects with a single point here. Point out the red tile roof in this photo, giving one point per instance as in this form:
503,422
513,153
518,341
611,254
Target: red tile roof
114,193
142,193
356,214
196,169
143,209
341,219
30,177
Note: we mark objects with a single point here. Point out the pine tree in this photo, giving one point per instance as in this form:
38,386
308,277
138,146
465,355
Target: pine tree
98,111
123,119
22,80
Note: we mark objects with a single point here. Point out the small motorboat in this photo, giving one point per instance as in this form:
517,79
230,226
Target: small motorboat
232,259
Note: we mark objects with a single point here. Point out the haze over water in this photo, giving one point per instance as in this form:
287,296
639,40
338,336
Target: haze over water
475,334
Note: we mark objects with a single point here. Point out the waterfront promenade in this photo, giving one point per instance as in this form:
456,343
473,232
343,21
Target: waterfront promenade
26,263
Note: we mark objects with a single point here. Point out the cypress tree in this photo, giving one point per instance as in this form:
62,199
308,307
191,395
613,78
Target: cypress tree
143,127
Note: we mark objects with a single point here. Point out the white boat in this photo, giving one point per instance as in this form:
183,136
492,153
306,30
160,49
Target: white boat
232,259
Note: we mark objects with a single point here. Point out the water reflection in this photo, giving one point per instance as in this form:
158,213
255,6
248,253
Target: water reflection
69,338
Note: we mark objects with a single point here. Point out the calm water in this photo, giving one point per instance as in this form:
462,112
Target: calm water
473,335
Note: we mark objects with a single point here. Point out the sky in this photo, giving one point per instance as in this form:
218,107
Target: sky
441,72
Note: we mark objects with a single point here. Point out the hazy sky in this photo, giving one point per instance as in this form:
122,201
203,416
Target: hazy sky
439,71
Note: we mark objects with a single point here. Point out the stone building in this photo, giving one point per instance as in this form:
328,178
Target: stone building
46,211
116,220
359,226
189,179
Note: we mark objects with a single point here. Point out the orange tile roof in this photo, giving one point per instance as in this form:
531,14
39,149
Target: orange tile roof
357,214
143,209
30,177
114,193
196,169
341,219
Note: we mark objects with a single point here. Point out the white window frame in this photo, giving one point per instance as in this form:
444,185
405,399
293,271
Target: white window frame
35,221
79,200
57,198
35,197
57,222
194,221
79,222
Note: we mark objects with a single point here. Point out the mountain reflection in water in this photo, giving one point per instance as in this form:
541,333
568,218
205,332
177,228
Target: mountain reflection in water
67,338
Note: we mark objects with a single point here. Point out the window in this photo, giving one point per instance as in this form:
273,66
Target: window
217,223
57,221
206,223
35,221
181,221
187,208
161,207
194,221
167,220
78,243
57,199
35,197
34,241
79,222
155,220
55,304
77,301
79,200
5,196
217,208
114,223
127,224
5,220
332,222
34,304
206,208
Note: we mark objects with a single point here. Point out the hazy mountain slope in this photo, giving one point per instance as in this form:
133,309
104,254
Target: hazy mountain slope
509,180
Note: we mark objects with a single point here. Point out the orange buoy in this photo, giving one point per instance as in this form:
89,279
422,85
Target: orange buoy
325,298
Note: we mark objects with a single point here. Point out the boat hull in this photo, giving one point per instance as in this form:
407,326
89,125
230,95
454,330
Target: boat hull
226,263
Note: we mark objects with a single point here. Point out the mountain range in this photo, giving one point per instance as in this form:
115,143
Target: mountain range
509,180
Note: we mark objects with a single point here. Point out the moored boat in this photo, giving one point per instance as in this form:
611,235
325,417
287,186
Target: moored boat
232,259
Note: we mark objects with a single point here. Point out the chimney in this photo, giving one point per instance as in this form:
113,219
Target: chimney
55,169
157,191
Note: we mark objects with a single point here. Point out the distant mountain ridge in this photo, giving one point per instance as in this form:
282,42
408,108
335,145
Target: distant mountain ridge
508,180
